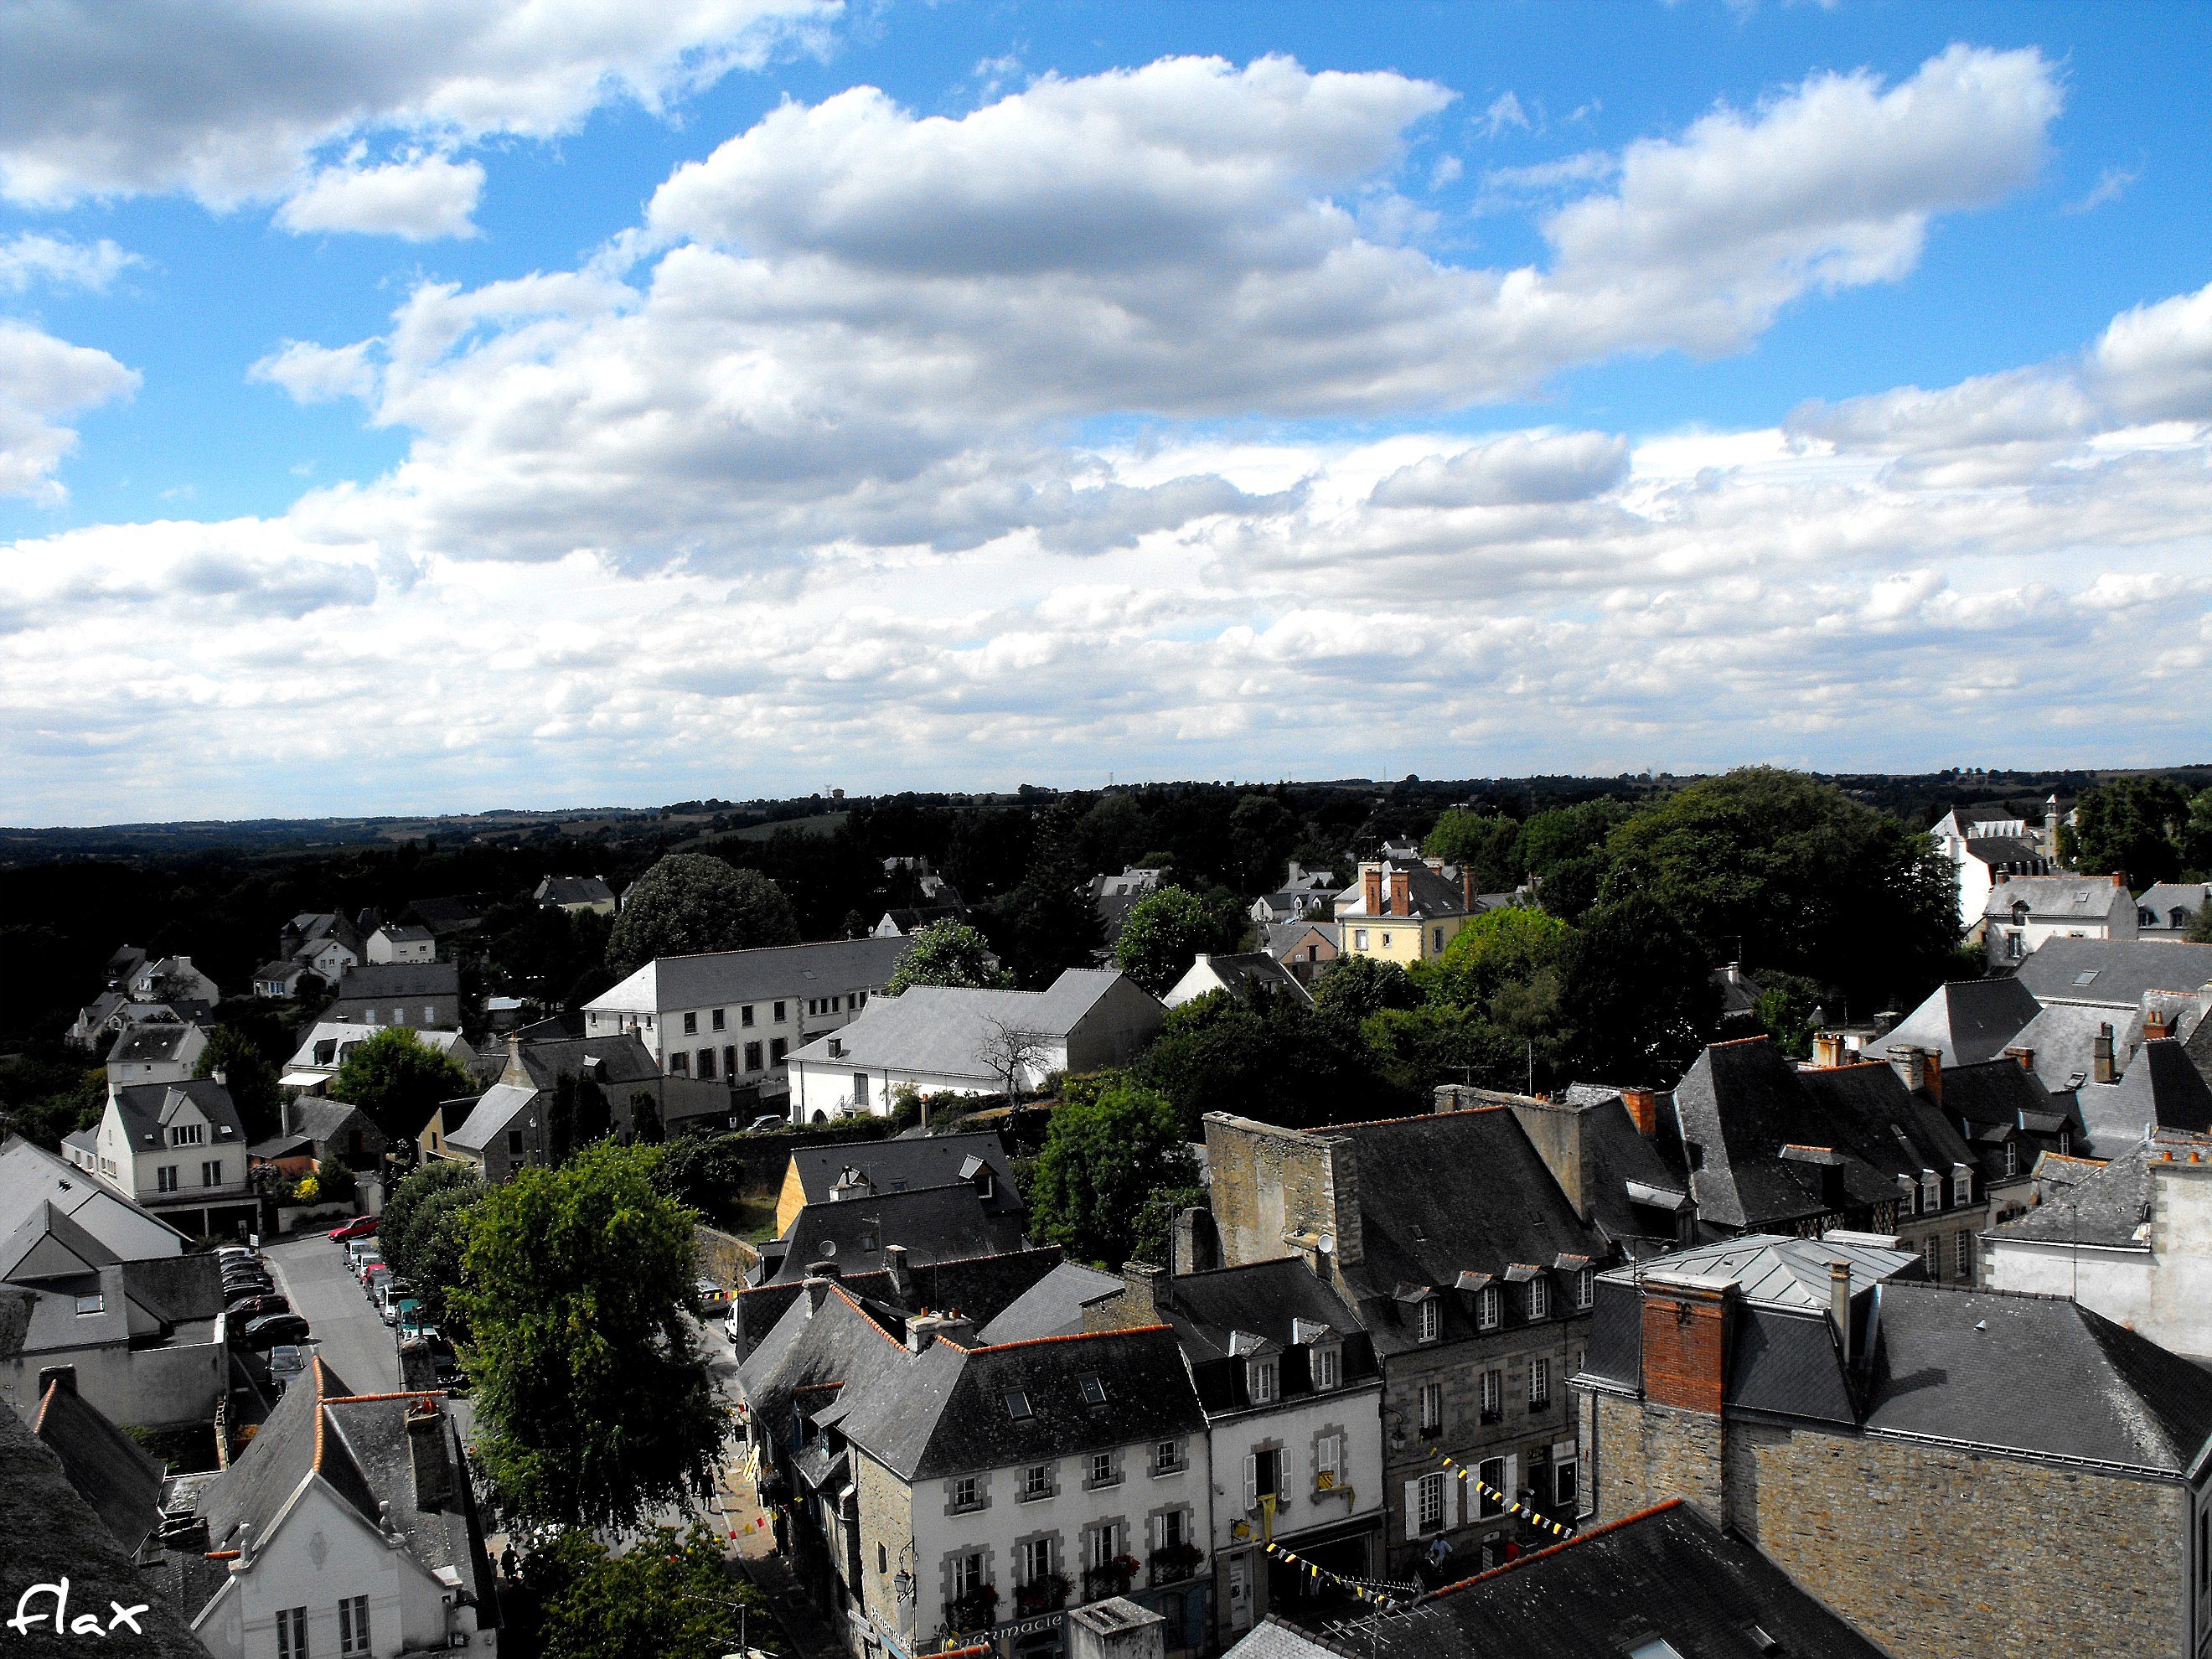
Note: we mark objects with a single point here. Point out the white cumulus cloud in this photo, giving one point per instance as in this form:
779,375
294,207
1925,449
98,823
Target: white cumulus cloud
29,260
43,381
419,199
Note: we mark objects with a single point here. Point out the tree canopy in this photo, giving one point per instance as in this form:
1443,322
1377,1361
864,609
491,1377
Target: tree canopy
1166,929
423,1231
398,1080
690,902
948,953
2146,828
1274,1059
669,1596
1485,842
595,1406
1112,1149
246,1074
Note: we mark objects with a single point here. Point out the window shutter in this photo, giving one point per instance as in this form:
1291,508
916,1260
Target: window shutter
1251,1480
1159,1526
1413,1509
1513,1475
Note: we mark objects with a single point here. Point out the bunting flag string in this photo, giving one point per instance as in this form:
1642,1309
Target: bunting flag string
1382,1595
1542,1523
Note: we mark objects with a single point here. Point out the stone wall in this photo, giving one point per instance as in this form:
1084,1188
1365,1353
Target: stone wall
1266,1181
721,1257
1936,1551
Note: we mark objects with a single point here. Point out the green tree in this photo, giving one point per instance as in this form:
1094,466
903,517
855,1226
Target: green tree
1483,842
246,1074
594,1404
1165,930
1563,835
1499,947
948,953
645,1125
417,1209
1047,922
704,1173
2197,836
690,903
1640,994
399,1080
1107,1154
2199,931
2133,826
668,1596
1786,1004
1353,988
1274,1059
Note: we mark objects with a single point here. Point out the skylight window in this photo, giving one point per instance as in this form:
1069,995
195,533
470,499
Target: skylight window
1093,1389
1017,1404
2088,975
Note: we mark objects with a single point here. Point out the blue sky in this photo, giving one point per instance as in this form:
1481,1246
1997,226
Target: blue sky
626,406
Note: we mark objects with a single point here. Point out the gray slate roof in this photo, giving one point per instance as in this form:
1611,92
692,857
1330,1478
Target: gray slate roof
2112,972
107,1468
144,1107
2163,898
906,1162
1968,1020
382,980
1051,1307
2106,1206
2161,1087
722,978
1663,1575
2060,898
941,1031
142,1045
949,1223
1778,1272
32,1177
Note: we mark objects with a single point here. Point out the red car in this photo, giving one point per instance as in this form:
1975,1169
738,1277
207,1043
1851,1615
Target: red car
362,1226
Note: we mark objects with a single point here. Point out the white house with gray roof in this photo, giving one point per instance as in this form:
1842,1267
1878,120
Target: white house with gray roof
176,1149
737,1014
938,1039
2021,912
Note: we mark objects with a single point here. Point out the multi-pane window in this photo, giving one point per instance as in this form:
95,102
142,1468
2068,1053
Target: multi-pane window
1432,1407
1931,1255
1489,1307
1036,1480
1326,1363
707,1064
1101,1468
291,1633
967,1573
1429,1503
752,1053
1539,1382
1539,1297
1098,1546
1033,1559
967,1492
1173,1528
1962,1258
1962,1187
1492,1473
1329,1462
1430,1321
1585,1287
1167,1456
721,1018
353,1624
1493,1394
211,1172
1261,1375
2012,1152
165,1178
1932,1192
187,1134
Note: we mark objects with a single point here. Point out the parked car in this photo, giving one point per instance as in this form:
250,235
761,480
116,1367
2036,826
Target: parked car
362,1226
359,1250
767,1122
398,1307
270,1329
227,1253
252,1307
285,1361
390,1289
712,1298
251,1285
372,1287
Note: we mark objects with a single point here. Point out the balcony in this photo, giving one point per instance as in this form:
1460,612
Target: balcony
1112,1579
1175,1564
1045,1594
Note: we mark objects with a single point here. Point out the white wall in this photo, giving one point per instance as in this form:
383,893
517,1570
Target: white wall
1356,1412
2163,1290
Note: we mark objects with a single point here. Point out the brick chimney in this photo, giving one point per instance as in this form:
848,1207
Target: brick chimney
426,1444
1685,1341
2119,878
1401,893
2000,877
2025,1056
1932,1079
1643,1111
1467,887
2154,1026
1371,885
1827,1051
2103,1066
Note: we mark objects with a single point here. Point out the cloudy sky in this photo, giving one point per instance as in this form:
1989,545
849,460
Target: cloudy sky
416,405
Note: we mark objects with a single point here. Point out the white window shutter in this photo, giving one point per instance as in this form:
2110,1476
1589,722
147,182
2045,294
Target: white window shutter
1513,1476
1413,1509
1251,1480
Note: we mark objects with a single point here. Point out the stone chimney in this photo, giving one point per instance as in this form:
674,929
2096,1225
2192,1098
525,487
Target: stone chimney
901,1276
285,1112
1117,1628
1560,1133
1910,1063
1344,1202
1401,892
433,1469
1195,1246
1467,887
1643,1111
2103,1068
817,1287
1371,888
1839,1304
925,1329
1141,1296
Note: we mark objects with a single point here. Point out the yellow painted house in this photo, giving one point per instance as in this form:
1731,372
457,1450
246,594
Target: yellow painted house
1405,910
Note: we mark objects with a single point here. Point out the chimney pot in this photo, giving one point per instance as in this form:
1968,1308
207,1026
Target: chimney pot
1643,1107
2119,878
2105,1067
2153,1028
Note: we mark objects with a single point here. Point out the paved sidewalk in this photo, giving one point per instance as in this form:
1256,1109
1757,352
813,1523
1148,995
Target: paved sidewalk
807,1635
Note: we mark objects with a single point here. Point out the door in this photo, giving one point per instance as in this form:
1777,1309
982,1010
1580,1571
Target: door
1240,1592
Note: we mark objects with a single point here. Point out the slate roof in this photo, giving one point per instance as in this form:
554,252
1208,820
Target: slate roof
575,889
1265,1299
2107,1205
907,1161
447,914
1773,1271
1051,1307
2120,970
939,1031
621,1057
106,1466
2162,898
1428,893
493,1113
142,1045
52,1533
146,1107
2060,898
949,1413
1241,974
2008,852
1637,1184
1968,1020
981,1287
726,977
383,981
1447,1194
2000,1100
1660,1575
402,933
32,1177
1283,937
934,1224
2161,1087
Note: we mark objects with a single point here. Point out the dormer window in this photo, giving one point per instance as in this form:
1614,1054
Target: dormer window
1962,1187
1489,1309
2012,1152
1585,1287
1932,1192
1539,1297
1261,1379
1429,1319
187,1134
1326,1364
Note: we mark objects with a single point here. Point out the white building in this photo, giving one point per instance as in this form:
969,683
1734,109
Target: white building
2131,1241
1979,849
2021,912
940,1040
176,1150
162,1052
1242,976
737,1014
318,1058
393,943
